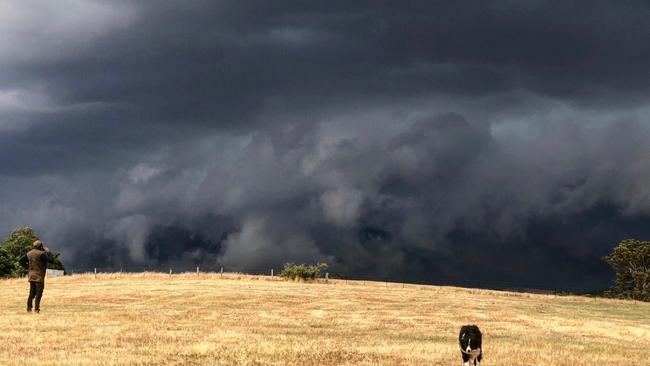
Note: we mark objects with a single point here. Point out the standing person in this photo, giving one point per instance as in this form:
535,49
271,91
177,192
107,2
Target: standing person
36,261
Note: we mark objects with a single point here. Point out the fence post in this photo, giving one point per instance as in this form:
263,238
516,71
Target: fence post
197,271
221,272
271,273
95,276
327,277
170,272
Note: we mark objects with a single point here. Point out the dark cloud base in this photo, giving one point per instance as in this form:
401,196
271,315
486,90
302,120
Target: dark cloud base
551,255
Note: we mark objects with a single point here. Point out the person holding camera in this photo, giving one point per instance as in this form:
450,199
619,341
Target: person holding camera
35,261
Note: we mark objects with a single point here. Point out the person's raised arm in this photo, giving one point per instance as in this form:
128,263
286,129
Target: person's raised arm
46,257
23,261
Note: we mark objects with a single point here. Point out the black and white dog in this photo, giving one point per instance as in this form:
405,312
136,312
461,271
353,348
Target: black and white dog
470,339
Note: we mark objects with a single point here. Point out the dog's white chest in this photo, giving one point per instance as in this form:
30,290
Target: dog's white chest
473,354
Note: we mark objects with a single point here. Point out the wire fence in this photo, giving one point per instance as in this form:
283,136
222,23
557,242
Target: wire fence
172,269
593,284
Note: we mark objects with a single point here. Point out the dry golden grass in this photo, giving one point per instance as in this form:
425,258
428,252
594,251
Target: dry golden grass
155,319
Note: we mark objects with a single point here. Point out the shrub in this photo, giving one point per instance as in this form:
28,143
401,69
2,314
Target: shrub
303,271
7,266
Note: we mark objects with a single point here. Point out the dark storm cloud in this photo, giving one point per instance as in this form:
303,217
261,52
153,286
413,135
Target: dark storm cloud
429,141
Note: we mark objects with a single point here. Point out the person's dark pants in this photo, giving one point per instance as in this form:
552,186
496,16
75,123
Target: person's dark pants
35,292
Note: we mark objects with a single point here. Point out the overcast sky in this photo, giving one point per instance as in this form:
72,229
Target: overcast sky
500,143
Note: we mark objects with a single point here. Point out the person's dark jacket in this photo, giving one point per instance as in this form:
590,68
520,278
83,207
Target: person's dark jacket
35,261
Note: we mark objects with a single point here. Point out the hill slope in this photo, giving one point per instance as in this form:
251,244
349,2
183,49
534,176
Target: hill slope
152,319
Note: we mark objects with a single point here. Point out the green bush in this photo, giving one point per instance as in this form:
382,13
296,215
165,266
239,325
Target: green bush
303,271
19,242
7,265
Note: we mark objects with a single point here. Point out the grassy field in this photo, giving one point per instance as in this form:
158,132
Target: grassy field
155,319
